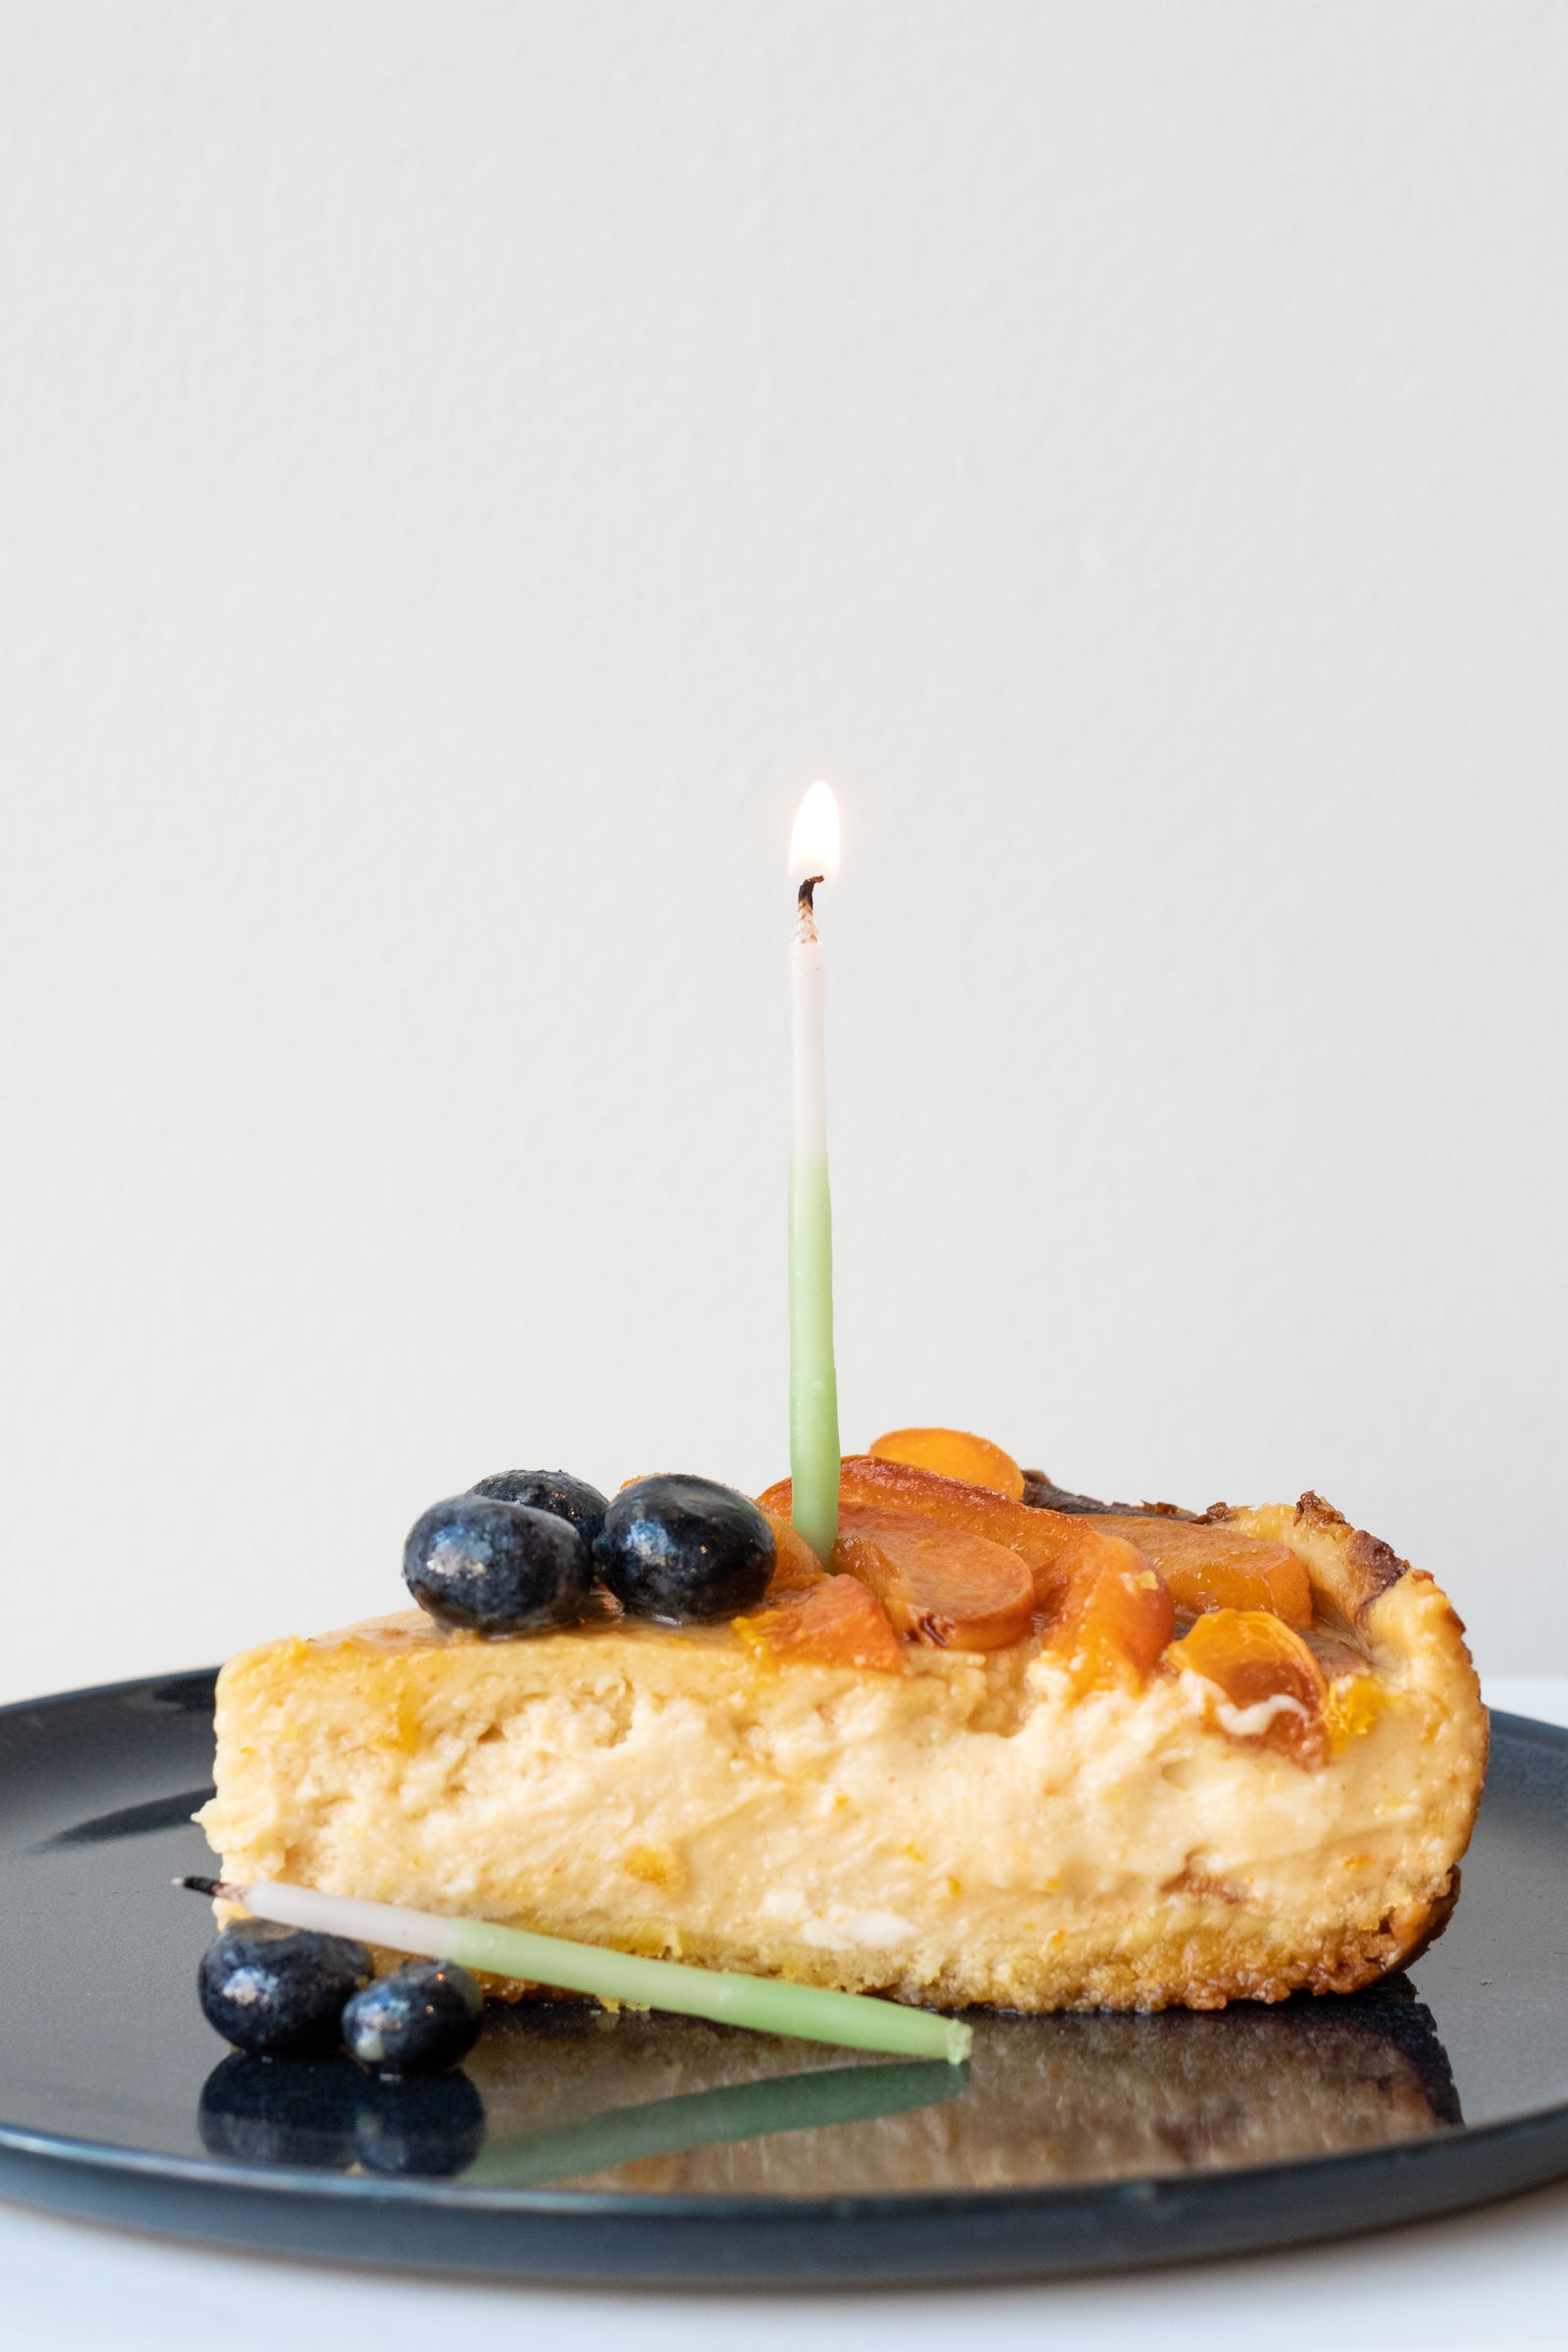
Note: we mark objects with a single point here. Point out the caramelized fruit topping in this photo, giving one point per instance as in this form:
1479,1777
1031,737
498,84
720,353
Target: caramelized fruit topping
952,1453
795,1566
1268,1676
1040,1539
835,1622
1220,1568
1113,1582
939,1584
1116,1618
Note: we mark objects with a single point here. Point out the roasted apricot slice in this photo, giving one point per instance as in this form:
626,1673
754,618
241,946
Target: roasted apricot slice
1040,1539
1217,1567
837,1622
952,1453
1116,1617
1272,1687
796,1567
939,1584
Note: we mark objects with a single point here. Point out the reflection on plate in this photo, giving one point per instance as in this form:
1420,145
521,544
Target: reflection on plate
544,2100
331,2115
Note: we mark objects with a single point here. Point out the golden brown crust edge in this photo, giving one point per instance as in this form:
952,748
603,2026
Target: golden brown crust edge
1198,1970
1414,1636
1206,1964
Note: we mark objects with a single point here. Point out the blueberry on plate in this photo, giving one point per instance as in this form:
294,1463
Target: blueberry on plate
418,2021
496,1567
684,1547
570,1498
279,1992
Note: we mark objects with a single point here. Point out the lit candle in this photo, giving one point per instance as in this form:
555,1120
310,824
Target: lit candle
813,1384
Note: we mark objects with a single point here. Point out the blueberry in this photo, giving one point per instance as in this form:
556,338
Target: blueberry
550,1490
684,1547
278,1992
496,1567
419,2020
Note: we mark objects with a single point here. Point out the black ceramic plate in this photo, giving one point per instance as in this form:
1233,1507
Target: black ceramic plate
579,2146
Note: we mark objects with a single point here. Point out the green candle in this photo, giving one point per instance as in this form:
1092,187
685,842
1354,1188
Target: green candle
814,1382
814,1386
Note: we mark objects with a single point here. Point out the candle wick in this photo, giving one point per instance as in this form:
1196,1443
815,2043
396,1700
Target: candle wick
804,898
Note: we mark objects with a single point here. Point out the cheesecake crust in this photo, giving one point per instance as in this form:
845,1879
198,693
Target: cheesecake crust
970,1829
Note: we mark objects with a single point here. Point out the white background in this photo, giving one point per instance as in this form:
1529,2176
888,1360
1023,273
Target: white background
467,468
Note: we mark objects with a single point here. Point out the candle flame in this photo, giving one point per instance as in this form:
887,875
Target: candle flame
815,838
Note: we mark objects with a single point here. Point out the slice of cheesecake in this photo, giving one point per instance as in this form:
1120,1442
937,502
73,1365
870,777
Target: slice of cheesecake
1197,1761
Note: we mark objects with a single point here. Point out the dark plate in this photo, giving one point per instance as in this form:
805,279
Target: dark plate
579,2146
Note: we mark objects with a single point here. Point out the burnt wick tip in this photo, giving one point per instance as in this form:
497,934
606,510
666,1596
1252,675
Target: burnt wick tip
803,896
208,1886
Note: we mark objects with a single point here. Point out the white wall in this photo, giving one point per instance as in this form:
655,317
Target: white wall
468,466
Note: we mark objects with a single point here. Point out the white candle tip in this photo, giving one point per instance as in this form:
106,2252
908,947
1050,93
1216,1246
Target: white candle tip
815,837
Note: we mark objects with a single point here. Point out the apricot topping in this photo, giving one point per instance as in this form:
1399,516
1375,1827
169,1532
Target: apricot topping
1040,1539
795,1566
939,1584
952,1453
1117,1619
835,1622
1271,1684
1217,1567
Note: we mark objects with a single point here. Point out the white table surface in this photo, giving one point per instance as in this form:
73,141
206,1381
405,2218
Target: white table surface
1494,2280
